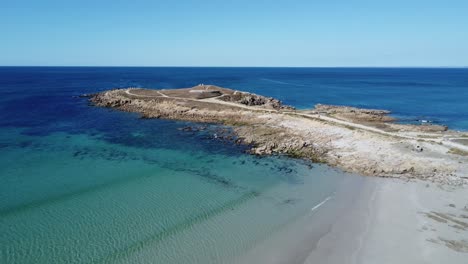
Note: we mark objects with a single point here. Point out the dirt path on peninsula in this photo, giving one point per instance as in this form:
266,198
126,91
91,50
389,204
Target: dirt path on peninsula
215,100
366,144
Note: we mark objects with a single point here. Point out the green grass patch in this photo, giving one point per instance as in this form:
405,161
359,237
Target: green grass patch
458,152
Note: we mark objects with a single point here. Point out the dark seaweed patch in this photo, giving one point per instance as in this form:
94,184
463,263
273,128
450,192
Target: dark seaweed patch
211,177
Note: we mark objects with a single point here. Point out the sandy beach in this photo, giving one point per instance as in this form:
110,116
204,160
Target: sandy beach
400,222
388,221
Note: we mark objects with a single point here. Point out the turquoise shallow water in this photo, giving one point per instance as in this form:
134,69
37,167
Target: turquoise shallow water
83,200
80,184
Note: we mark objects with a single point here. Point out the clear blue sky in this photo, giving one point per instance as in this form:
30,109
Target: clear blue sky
234,33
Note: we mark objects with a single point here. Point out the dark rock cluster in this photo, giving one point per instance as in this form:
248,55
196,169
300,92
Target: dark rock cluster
251,99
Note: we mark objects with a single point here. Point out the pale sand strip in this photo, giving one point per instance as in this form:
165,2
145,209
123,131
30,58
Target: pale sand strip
393,223
383,221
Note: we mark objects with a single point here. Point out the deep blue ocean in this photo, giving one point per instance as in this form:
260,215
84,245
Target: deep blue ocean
43,96
80,184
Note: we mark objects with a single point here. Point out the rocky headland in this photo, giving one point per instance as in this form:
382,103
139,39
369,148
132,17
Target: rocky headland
365,141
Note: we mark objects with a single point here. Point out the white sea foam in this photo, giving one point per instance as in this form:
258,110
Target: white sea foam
280,82
321,203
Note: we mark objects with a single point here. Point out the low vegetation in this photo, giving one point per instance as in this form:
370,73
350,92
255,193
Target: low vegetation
458,152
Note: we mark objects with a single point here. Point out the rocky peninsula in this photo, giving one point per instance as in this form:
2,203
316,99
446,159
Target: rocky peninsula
364,141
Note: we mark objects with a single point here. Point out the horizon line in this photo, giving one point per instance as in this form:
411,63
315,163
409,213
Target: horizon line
181,66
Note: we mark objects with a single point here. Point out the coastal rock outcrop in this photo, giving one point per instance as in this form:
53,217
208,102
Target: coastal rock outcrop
374,117
356,140
354,114
250,99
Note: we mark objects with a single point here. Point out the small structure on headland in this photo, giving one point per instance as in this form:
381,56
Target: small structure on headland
205,93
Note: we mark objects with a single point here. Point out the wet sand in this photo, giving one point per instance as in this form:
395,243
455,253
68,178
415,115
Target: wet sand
375,220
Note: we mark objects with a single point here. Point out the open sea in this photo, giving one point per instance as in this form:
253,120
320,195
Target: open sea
80,184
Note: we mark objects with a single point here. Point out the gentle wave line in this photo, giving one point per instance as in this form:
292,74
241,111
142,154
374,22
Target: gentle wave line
321,203
280,82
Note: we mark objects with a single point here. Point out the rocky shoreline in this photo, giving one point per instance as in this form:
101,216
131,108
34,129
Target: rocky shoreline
364,141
